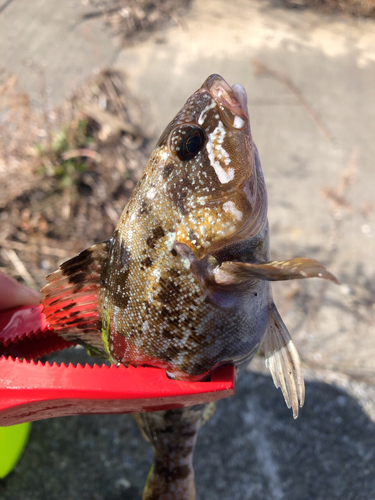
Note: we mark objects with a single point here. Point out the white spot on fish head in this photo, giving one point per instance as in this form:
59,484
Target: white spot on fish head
238,122
203,114
218,155
230,207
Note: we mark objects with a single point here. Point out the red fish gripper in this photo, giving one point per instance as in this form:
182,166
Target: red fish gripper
31,390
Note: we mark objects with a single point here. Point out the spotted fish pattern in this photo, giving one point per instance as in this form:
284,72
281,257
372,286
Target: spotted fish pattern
183,284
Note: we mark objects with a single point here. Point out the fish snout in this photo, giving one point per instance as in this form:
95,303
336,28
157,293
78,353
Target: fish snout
232,101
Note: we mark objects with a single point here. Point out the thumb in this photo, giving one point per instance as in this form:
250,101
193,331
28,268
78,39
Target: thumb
13,294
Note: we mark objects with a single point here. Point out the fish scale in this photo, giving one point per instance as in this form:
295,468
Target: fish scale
183,284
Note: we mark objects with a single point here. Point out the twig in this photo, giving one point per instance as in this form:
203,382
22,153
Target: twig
181,23
114,95
112,122
265,70
337,197
5,5
346,179
43,249
98,13
19,266
66,209
74,153
111,212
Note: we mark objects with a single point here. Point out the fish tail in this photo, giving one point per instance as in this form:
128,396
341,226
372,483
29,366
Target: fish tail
72,302
165,483
173,434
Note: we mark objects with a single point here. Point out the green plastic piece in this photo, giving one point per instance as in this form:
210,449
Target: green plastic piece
13,440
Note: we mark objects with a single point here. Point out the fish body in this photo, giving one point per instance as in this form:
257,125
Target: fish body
184,282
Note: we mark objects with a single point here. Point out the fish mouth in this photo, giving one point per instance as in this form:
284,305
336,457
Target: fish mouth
233,101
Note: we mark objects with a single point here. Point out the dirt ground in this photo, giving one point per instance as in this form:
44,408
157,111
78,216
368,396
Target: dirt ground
309,77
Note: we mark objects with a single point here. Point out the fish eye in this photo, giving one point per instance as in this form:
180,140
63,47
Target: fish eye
186,141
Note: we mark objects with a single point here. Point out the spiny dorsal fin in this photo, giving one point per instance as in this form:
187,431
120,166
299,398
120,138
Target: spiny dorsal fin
71,298
236,273
283,361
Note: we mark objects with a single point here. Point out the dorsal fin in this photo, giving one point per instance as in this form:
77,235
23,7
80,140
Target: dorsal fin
72,298
283,361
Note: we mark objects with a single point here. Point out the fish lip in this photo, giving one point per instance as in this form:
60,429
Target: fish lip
241,95
234,98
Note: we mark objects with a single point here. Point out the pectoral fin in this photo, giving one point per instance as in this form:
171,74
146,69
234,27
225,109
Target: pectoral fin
283,361
238,273
72,299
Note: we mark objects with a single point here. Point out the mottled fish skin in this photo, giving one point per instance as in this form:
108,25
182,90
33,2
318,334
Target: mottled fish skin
184,282
173,435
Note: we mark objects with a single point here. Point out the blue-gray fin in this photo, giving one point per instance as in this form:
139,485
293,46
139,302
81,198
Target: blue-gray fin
71,299
238,273
283,361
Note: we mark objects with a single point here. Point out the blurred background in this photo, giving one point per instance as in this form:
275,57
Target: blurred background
86,88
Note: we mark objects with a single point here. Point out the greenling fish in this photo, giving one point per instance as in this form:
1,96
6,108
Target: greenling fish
184,282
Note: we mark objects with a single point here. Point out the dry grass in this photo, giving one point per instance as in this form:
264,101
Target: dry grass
65,175
356,8
135,20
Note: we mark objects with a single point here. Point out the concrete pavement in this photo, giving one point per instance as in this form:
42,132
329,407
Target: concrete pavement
313,119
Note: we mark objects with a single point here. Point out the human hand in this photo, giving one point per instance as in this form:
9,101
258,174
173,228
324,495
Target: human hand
14,294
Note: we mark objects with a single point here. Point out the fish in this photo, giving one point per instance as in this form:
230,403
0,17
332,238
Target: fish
184,283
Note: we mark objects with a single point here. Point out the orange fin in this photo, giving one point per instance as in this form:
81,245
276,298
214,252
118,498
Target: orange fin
71,299
236,273
283,361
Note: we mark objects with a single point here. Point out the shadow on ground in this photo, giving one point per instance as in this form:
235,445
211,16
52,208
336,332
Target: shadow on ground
251,449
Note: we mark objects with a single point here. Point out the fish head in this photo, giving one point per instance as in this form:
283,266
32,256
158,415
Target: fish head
207,168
